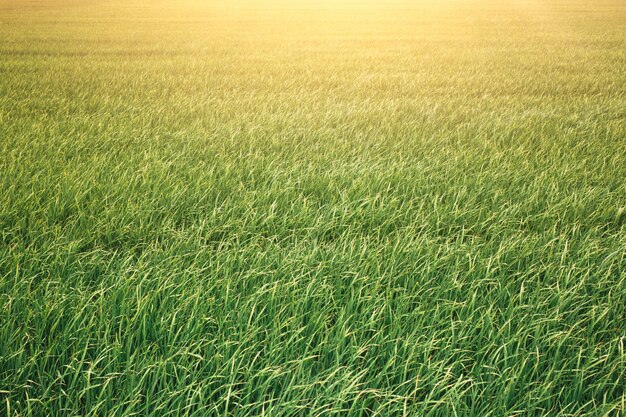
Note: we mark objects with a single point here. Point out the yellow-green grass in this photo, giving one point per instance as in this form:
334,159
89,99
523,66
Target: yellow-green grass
312,209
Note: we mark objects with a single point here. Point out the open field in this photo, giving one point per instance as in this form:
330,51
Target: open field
312,209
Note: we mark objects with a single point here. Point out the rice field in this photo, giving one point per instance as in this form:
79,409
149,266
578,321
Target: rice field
312,208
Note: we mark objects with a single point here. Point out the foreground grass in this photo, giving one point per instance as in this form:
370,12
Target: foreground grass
312,210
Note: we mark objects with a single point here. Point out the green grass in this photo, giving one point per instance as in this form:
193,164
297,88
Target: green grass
312,210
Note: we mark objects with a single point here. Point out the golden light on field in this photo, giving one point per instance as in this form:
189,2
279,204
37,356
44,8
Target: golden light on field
455,16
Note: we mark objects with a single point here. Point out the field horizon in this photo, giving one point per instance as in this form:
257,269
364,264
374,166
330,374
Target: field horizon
329,208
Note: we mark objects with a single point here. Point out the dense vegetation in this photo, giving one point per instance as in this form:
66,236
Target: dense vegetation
312,209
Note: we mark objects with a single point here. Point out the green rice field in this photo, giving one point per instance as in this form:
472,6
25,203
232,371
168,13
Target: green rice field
299,208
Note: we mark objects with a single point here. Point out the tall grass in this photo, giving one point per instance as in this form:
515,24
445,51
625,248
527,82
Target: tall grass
312,209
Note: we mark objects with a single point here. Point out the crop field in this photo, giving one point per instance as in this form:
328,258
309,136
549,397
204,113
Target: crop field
299,208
